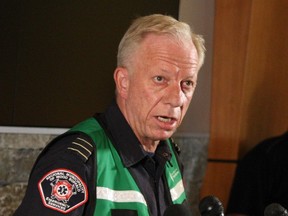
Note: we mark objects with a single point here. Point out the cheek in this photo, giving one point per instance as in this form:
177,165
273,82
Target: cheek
144,103
139,98
142,92
186,105
184,111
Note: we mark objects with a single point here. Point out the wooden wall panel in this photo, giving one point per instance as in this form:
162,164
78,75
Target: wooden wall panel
230,40
249,84
265,96
218,180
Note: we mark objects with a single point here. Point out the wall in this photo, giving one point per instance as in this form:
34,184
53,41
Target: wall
52,50
249,87
18,151
200,16
19,147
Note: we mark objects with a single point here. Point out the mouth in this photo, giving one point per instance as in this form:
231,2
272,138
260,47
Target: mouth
166,119
167,123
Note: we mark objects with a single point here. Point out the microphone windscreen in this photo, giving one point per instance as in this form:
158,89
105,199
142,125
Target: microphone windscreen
275,209
211,206
177,210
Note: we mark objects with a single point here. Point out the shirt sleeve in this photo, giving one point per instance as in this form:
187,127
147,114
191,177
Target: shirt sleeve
60,181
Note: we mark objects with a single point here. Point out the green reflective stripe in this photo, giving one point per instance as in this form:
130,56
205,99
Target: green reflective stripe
120,196
177,191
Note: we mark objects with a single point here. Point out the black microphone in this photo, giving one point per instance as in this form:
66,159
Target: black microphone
275,209
177,210
211,206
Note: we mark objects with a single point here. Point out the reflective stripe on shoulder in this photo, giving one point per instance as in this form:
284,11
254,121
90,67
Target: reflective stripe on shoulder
81,147
177,191
120,195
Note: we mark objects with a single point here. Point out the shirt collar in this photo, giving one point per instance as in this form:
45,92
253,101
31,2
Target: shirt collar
125,140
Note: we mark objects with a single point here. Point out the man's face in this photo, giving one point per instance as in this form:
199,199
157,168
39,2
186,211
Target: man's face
161,83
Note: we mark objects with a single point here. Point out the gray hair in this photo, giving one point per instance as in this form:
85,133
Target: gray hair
157,24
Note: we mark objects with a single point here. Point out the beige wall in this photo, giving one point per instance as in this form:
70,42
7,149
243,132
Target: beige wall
200,15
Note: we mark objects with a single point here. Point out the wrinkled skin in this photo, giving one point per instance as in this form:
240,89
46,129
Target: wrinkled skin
155,93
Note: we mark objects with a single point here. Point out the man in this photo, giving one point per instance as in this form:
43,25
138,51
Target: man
122,162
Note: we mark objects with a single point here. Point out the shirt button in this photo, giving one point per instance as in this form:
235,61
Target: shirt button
165,155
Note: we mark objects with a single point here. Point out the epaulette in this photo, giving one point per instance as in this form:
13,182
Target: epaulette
82,147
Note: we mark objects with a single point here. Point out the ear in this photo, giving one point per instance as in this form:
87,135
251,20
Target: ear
121,78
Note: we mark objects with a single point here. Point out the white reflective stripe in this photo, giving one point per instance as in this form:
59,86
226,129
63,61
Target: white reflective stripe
120,196
177,190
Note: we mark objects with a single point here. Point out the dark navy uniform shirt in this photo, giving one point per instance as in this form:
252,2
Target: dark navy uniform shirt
62,181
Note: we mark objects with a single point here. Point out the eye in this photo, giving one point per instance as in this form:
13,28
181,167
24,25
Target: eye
188,85
159,79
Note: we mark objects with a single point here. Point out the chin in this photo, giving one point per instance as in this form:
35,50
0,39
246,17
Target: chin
165,135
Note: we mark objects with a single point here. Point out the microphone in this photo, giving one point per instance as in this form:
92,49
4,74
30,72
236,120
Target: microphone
275,209
211,206
177,210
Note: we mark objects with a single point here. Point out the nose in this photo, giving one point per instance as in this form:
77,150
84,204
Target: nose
174,95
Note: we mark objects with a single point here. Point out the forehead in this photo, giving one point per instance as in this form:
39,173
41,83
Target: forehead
167,49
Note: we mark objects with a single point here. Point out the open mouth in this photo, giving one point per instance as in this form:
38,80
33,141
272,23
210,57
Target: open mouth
165,119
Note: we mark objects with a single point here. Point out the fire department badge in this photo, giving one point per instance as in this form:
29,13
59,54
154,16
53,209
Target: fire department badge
62,190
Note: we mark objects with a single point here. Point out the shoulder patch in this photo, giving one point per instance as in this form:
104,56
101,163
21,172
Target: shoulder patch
81,147
62,190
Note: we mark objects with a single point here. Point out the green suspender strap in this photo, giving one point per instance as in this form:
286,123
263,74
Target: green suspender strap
174,179
116,188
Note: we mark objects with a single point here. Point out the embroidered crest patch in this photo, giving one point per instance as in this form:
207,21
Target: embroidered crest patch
62,190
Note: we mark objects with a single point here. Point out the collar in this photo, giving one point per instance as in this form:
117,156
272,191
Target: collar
125,140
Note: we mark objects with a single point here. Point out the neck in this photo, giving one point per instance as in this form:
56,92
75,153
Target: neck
150,146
